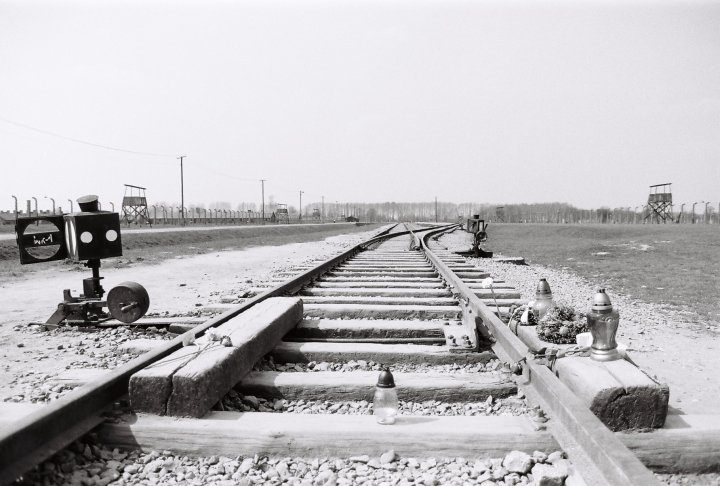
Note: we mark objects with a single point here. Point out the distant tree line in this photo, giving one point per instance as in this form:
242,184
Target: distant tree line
447,212
554,212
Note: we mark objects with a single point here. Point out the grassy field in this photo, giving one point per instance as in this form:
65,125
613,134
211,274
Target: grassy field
670,264
157,246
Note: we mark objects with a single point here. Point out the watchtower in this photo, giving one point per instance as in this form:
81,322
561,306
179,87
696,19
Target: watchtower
500,213
134,208
281,214
660,203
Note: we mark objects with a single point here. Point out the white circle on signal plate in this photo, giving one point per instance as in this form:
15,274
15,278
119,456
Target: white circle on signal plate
111,235
86,237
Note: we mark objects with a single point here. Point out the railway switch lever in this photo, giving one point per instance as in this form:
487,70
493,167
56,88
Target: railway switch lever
89,236
478,228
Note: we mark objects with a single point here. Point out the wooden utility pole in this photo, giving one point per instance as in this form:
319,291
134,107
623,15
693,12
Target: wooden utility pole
182,192
262,182
436,209
300,215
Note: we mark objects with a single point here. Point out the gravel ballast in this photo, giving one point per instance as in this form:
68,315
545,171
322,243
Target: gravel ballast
85,463
75,349
512,406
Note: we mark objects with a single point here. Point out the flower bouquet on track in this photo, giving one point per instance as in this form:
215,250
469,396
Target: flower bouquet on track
561,325
520,315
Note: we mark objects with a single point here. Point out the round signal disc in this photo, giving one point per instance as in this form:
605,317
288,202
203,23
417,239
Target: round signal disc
128,302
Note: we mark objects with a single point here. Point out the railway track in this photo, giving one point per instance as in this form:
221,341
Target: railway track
399,300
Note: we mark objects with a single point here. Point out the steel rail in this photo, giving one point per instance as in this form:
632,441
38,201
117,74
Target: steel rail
42,433
599,456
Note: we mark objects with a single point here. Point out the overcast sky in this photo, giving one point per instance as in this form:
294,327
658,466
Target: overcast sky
586,102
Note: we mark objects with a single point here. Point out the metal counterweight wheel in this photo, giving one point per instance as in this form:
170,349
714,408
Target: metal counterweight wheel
128,302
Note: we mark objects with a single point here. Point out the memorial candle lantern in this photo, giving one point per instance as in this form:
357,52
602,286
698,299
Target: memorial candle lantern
385,403
603,322
543,299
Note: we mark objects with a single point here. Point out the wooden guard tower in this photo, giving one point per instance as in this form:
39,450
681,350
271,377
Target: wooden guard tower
500,213
134,208
281,213
660,203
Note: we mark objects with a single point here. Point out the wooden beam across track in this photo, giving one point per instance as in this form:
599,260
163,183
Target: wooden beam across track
600,457
190,381
289,352
384,278
327,435
380,284
404,266
689,445
361,329
359,385
377,292
398,300
379,258
35,437
686,444
379,311
382,273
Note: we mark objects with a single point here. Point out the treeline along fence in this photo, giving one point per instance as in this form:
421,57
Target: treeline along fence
323,212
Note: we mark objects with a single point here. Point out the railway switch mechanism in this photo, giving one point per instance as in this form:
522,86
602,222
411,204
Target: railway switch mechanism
89,235
478,228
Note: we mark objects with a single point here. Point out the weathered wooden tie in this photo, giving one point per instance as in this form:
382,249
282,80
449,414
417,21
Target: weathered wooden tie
686,444
382,273
395,284
378,292
384,269
230,434
691,444
391,279
191,380
359,385
619,393
290,352
379,265
378,311
362,329
398,300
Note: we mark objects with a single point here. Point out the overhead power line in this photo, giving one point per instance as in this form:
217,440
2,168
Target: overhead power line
84,142
225,174
137,152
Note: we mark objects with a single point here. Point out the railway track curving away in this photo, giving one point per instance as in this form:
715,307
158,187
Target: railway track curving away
399,300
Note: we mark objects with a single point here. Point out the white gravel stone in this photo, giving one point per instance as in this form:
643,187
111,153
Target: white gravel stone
548,475
556,456
388,457
518,462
